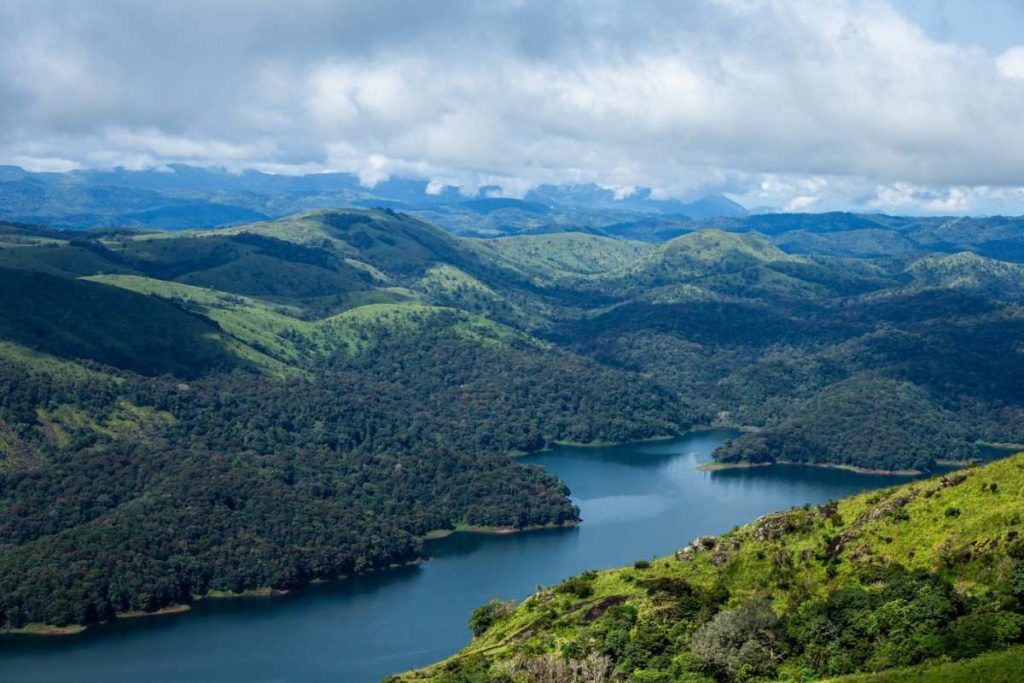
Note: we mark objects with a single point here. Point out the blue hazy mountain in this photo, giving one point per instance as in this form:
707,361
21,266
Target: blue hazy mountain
186,196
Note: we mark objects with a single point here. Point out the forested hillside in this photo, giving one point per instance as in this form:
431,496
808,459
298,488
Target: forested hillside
877,363
928,575
266,404
217,412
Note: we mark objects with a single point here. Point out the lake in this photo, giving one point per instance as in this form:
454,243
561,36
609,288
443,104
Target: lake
637,501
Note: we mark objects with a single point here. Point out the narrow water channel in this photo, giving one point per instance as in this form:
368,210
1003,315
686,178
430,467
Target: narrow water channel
637,501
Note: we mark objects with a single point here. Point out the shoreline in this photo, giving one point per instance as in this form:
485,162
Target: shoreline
51,631
594,444
717,466
1000,445
695,429
438,534
138,614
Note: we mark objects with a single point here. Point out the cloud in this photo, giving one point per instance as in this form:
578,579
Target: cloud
1011,63
805,104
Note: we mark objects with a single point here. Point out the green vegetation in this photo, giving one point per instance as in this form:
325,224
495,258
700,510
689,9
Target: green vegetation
995,667
873,583
865,422
874,364
568,253
313,410
267,404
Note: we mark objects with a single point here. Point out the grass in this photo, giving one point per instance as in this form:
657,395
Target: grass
45,630
173,609
34,361
271,337
568,254
359,329
995,667
923,535
265,328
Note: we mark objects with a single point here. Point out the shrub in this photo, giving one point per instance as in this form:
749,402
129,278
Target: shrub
580,586
487,615
742,642
974,634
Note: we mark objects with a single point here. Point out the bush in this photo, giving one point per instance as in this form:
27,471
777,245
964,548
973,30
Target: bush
487,615
974,634
580,586
742,642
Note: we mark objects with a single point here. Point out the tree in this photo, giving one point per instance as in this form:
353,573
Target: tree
741,643
485,616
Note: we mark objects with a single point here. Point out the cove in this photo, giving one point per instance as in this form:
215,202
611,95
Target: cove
637,501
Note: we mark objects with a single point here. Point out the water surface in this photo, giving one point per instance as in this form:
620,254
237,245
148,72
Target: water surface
637,501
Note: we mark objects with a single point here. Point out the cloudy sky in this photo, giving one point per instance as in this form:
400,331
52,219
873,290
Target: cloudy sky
907,106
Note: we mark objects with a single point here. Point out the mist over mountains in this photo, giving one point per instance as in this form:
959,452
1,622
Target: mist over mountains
182,197
187,196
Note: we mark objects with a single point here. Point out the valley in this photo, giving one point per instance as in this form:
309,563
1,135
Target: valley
282,403
376,341
636,501
924,572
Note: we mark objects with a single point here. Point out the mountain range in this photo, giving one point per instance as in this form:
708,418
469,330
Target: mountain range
181,196
212,411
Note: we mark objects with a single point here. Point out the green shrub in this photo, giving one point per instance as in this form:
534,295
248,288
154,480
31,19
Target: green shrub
485,616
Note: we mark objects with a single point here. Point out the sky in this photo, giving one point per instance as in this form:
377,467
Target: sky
903,106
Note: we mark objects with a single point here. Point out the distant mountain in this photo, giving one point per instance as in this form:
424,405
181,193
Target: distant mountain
492,204
595,196
183,196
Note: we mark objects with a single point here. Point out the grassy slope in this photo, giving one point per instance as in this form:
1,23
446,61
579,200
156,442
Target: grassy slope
995,667
707,252
273,331
744,560
967,270
362,328
125,419
249,320
570,253
71,319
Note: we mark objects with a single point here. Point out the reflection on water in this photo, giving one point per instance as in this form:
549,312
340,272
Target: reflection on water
636,501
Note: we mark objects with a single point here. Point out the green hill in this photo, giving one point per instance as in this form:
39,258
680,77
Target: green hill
758,338
568,253
331,386
865,422
702,254
73,319
970,271
266,405
918,575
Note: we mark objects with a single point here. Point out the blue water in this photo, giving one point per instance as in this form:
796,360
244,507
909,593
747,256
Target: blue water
637,501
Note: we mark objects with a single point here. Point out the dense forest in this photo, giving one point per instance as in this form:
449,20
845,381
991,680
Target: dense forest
262,405
928,575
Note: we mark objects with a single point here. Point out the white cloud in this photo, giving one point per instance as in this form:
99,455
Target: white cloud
806,104
1011,63
801,202
45,164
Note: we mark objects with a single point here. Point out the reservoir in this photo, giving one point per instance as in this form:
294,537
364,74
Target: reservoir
637,501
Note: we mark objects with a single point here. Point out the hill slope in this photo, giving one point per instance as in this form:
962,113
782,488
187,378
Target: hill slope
920,573
219,411
369,369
